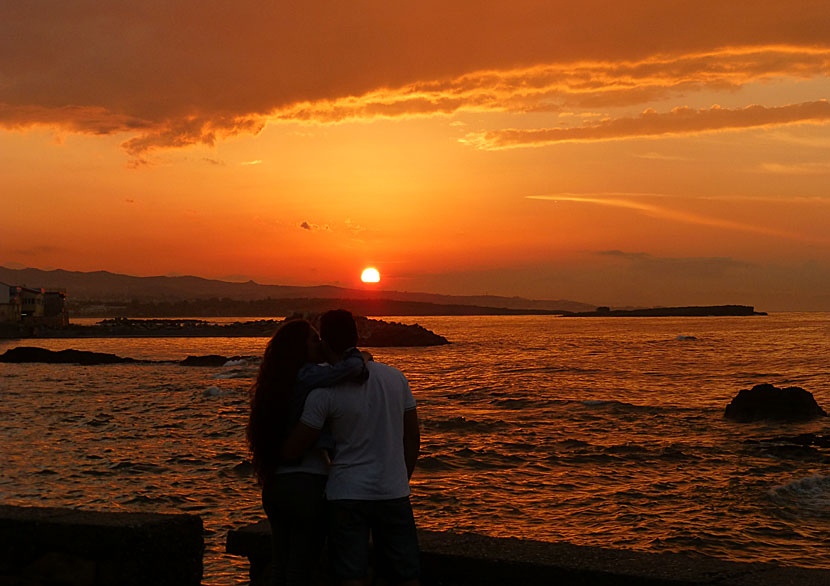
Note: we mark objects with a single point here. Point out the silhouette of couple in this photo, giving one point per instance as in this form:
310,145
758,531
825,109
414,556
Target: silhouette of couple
334,439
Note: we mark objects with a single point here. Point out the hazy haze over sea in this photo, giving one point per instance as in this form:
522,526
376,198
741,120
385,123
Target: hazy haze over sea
601,431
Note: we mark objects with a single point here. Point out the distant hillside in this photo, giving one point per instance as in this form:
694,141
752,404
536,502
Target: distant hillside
102,286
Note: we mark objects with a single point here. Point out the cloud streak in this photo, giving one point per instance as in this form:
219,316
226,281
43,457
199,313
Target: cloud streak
665,213
679,121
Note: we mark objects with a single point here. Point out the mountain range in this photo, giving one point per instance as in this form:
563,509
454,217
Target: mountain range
103,286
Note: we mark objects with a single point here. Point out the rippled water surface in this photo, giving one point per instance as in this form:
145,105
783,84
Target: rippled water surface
600,431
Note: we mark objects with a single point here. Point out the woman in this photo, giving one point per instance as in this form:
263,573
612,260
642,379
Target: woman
293,496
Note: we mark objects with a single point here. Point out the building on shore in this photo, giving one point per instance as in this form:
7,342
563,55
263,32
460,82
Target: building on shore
11,306
27,306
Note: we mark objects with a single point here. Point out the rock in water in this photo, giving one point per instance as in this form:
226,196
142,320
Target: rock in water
209,360
769,402
23,354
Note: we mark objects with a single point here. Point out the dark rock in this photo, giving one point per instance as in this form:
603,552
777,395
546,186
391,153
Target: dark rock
69,547
209,360
23,354
769,402
378,333
694,311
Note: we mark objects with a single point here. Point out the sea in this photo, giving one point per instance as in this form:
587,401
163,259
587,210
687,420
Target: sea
594,431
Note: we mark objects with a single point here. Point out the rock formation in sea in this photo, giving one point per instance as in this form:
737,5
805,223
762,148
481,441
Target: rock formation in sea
769,402
209,360
30,354
378,333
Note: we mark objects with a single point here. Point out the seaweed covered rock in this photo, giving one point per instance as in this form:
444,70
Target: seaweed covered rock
23,354
772,403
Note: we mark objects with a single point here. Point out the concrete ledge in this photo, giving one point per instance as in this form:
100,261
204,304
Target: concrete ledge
451,559
92,548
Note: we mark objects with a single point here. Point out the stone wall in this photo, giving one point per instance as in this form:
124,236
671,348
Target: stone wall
450,559
69,547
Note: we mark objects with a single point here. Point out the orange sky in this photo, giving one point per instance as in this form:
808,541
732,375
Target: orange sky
619,153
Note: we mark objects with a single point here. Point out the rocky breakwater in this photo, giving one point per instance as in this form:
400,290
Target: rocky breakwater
768,402
378,333
371,332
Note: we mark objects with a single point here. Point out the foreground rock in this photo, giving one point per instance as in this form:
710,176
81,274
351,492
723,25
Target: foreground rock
772,403
52,546
29,354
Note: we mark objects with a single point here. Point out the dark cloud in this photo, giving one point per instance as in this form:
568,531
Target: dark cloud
315,227
688,268
170,73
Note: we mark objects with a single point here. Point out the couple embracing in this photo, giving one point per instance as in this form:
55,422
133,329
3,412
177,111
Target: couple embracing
334,439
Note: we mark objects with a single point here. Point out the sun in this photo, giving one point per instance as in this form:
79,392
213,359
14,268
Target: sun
370,275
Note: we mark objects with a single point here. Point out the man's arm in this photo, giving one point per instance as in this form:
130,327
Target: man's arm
351,367
301,438
411,440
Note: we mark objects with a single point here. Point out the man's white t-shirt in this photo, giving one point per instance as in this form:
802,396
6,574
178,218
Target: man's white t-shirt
367,424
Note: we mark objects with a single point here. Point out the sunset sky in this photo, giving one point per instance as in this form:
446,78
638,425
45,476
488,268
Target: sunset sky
617,153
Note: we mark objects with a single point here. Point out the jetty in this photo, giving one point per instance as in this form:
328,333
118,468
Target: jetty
371,332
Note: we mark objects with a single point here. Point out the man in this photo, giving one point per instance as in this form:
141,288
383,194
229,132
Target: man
377,441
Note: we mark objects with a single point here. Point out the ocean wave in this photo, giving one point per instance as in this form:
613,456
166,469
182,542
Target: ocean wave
809,496
435,463
462,423
552,369
215,391
615,405
520,403
156,500
235,373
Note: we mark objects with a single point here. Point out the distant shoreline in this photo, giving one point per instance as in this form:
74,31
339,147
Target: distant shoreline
200,328
691,311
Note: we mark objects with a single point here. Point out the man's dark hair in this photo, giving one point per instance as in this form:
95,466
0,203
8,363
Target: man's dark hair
338,330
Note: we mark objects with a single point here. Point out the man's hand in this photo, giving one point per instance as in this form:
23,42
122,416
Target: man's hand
411,440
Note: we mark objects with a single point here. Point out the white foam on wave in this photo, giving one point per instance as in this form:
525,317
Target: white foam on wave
592,402
240,362
236,373
810,494
214,391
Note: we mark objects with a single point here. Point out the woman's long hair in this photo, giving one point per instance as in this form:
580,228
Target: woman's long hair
271,395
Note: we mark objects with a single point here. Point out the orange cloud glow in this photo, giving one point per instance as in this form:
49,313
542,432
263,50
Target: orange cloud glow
170,76
680,120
